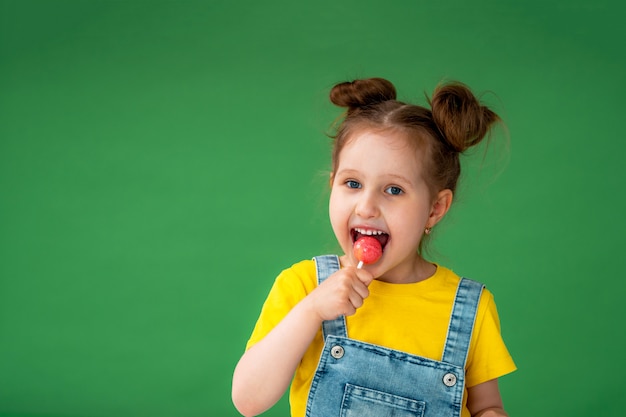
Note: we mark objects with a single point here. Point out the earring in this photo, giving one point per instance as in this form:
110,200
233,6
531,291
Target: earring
427,230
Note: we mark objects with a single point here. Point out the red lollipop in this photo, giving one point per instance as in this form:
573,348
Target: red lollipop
367,250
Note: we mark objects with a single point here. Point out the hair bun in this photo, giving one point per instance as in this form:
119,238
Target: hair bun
459,115
361,93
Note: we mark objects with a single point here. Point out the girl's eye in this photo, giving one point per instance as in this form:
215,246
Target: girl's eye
353,184
394,190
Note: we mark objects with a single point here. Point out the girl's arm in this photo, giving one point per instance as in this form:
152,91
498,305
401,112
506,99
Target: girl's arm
483,400
266,369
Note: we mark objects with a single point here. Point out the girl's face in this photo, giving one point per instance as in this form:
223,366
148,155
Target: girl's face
379,189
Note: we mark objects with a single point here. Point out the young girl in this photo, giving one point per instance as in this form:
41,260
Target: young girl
401,336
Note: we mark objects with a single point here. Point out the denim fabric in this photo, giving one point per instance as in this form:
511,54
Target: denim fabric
358,379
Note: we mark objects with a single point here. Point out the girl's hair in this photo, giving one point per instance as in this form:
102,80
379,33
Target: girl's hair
456,122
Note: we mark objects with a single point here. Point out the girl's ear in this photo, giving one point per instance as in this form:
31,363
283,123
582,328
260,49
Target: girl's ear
440,207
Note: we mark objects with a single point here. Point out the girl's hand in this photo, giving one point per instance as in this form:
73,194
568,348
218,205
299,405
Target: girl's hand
341,294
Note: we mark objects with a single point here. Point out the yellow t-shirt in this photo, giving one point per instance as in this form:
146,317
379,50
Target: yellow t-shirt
412,318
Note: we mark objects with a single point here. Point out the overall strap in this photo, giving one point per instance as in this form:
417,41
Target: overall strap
325,266
462,322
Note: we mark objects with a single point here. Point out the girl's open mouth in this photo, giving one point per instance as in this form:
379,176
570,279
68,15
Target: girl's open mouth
381,236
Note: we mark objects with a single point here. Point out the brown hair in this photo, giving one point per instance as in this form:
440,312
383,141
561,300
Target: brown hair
456,122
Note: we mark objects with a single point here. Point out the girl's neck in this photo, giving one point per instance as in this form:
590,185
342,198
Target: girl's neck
419,270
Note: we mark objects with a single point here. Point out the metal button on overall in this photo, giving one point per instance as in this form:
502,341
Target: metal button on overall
336,352
449,380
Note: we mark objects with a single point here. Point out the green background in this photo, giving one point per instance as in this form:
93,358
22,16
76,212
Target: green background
162,161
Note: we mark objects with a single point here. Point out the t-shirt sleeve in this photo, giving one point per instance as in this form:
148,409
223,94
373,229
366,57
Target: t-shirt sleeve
289,288
489,357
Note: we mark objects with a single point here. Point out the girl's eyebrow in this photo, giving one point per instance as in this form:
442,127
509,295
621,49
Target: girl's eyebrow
353,172
348,172
401,178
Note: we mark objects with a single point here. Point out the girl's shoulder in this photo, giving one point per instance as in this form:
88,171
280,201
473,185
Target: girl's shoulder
448,281
451,279
301,276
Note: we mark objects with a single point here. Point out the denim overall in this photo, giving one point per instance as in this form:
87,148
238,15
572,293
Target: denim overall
358,379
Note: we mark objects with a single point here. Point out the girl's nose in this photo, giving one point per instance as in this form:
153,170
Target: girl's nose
366,206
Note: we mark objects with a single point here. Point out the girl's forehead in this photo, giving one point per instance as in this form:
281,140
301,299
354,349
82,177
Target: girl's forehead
386,151
382,144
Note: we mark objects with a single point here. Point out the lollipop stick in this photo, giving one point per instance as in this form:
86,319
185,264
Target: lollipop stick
360,265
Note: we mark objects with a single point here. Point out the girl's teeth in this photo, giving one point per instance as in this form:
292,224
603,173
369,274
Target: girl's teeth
369,232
